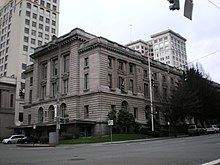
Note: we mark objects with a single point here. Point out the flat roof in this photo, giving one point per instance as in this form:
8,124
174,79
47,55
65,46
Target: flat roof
167,31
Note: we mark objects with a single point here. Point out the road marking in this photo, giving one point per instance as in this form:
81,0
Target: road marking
212,162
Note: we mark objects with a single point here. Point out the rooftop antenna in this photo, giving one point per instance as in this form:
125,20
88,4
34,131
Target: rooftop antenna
130,32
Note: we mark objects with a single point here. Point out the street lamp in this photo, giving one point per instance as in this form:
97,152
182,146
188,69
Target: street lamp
151,97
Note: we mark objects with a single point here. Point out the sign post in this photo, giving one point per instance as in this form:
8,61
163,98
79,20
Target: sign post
110,123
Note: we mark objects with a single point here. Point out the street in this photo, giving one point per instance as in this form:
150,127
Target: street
194,150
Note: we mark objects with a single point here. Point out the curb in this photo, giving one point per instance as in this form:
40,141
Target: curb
34,145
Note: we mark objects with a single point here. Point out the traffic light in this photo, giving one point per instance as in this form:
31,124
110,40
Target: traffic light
152,83
175,4
185,76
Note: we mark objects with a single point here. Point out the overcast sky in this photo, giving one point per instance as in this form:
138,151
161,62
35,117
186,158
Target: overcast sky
123,21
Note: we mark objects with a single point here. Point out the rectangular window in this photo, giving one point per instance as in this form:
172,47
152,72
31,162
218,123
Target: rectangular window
43,92
29,119
66,63
34,16
53,30
21,118
28,13
47,28
86,61
131,86
11,100
146,90
41,18
53,23
86,111
25,48
109,62
47,20
121,83
109,80
120,65
53,89
30,96
136,113
86,81
41,26
33,41
33,32
40,34
23,66
145,74
44,71
39,43
28,5
165,93
31,81
131,68
55,67
46,37
26,30
113,107
34,24
27,22
156,92
65,86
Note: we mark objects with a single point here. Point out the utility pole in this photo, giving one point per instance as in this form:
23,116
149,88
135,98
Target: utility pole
151,97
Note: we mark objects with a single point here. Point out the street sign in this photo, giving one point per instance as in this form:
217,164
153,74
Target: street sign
110,122
188,9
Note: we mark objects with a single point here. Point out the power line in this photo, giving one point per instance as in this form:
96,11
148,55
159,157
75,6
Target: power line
204,56
214,4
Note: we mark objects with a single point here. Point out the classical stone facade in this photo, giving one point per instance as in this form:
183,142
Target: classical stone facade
84,77
7,105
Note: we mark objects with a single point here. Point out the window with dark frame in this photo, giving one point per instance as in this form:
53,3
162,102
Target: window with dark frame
55,67
86,61
66,63
86,111
44,71
110,80
86,76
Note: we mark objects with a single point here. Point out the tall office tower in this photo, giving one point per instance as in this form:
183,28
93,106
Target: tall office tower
170,48
167,47
144,47
24,25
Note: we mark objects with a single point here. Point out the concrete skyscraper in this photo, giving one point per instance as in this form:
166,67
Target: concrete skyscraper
167,47
24,25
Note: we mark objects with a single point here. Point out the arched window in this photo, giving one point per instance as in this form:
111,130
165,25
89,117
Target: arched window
124,105
51,113
40,115
62,110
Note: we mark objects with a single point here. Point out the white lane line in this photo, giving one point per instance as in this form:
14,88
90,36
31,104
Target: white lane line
212,162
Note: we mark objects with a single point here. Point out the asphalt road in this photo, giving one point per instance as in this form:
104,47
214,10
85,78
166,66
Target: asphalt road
194,150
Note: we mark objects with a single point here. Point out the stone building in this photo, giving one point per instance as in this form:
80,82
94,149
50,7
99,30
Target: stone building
24,25
7,105
83,77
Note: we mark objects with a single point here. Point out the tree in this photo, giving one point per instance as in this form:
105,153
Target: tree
182,103
207,93
123,120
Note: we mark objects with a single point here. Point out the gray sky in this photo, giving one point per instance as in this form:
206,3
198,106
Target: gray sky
125,20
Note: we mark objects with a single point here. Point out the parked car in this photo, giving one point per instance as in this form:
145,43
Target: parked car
212,129
196,130
27,140
12,139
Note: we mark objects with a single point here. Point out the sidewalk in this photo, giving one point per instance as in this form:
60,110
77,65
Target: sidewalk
102,143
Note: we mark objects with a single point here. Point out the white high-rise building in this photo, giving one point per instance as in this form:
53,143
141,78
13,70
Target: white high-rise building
170,48
24,25
167,47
